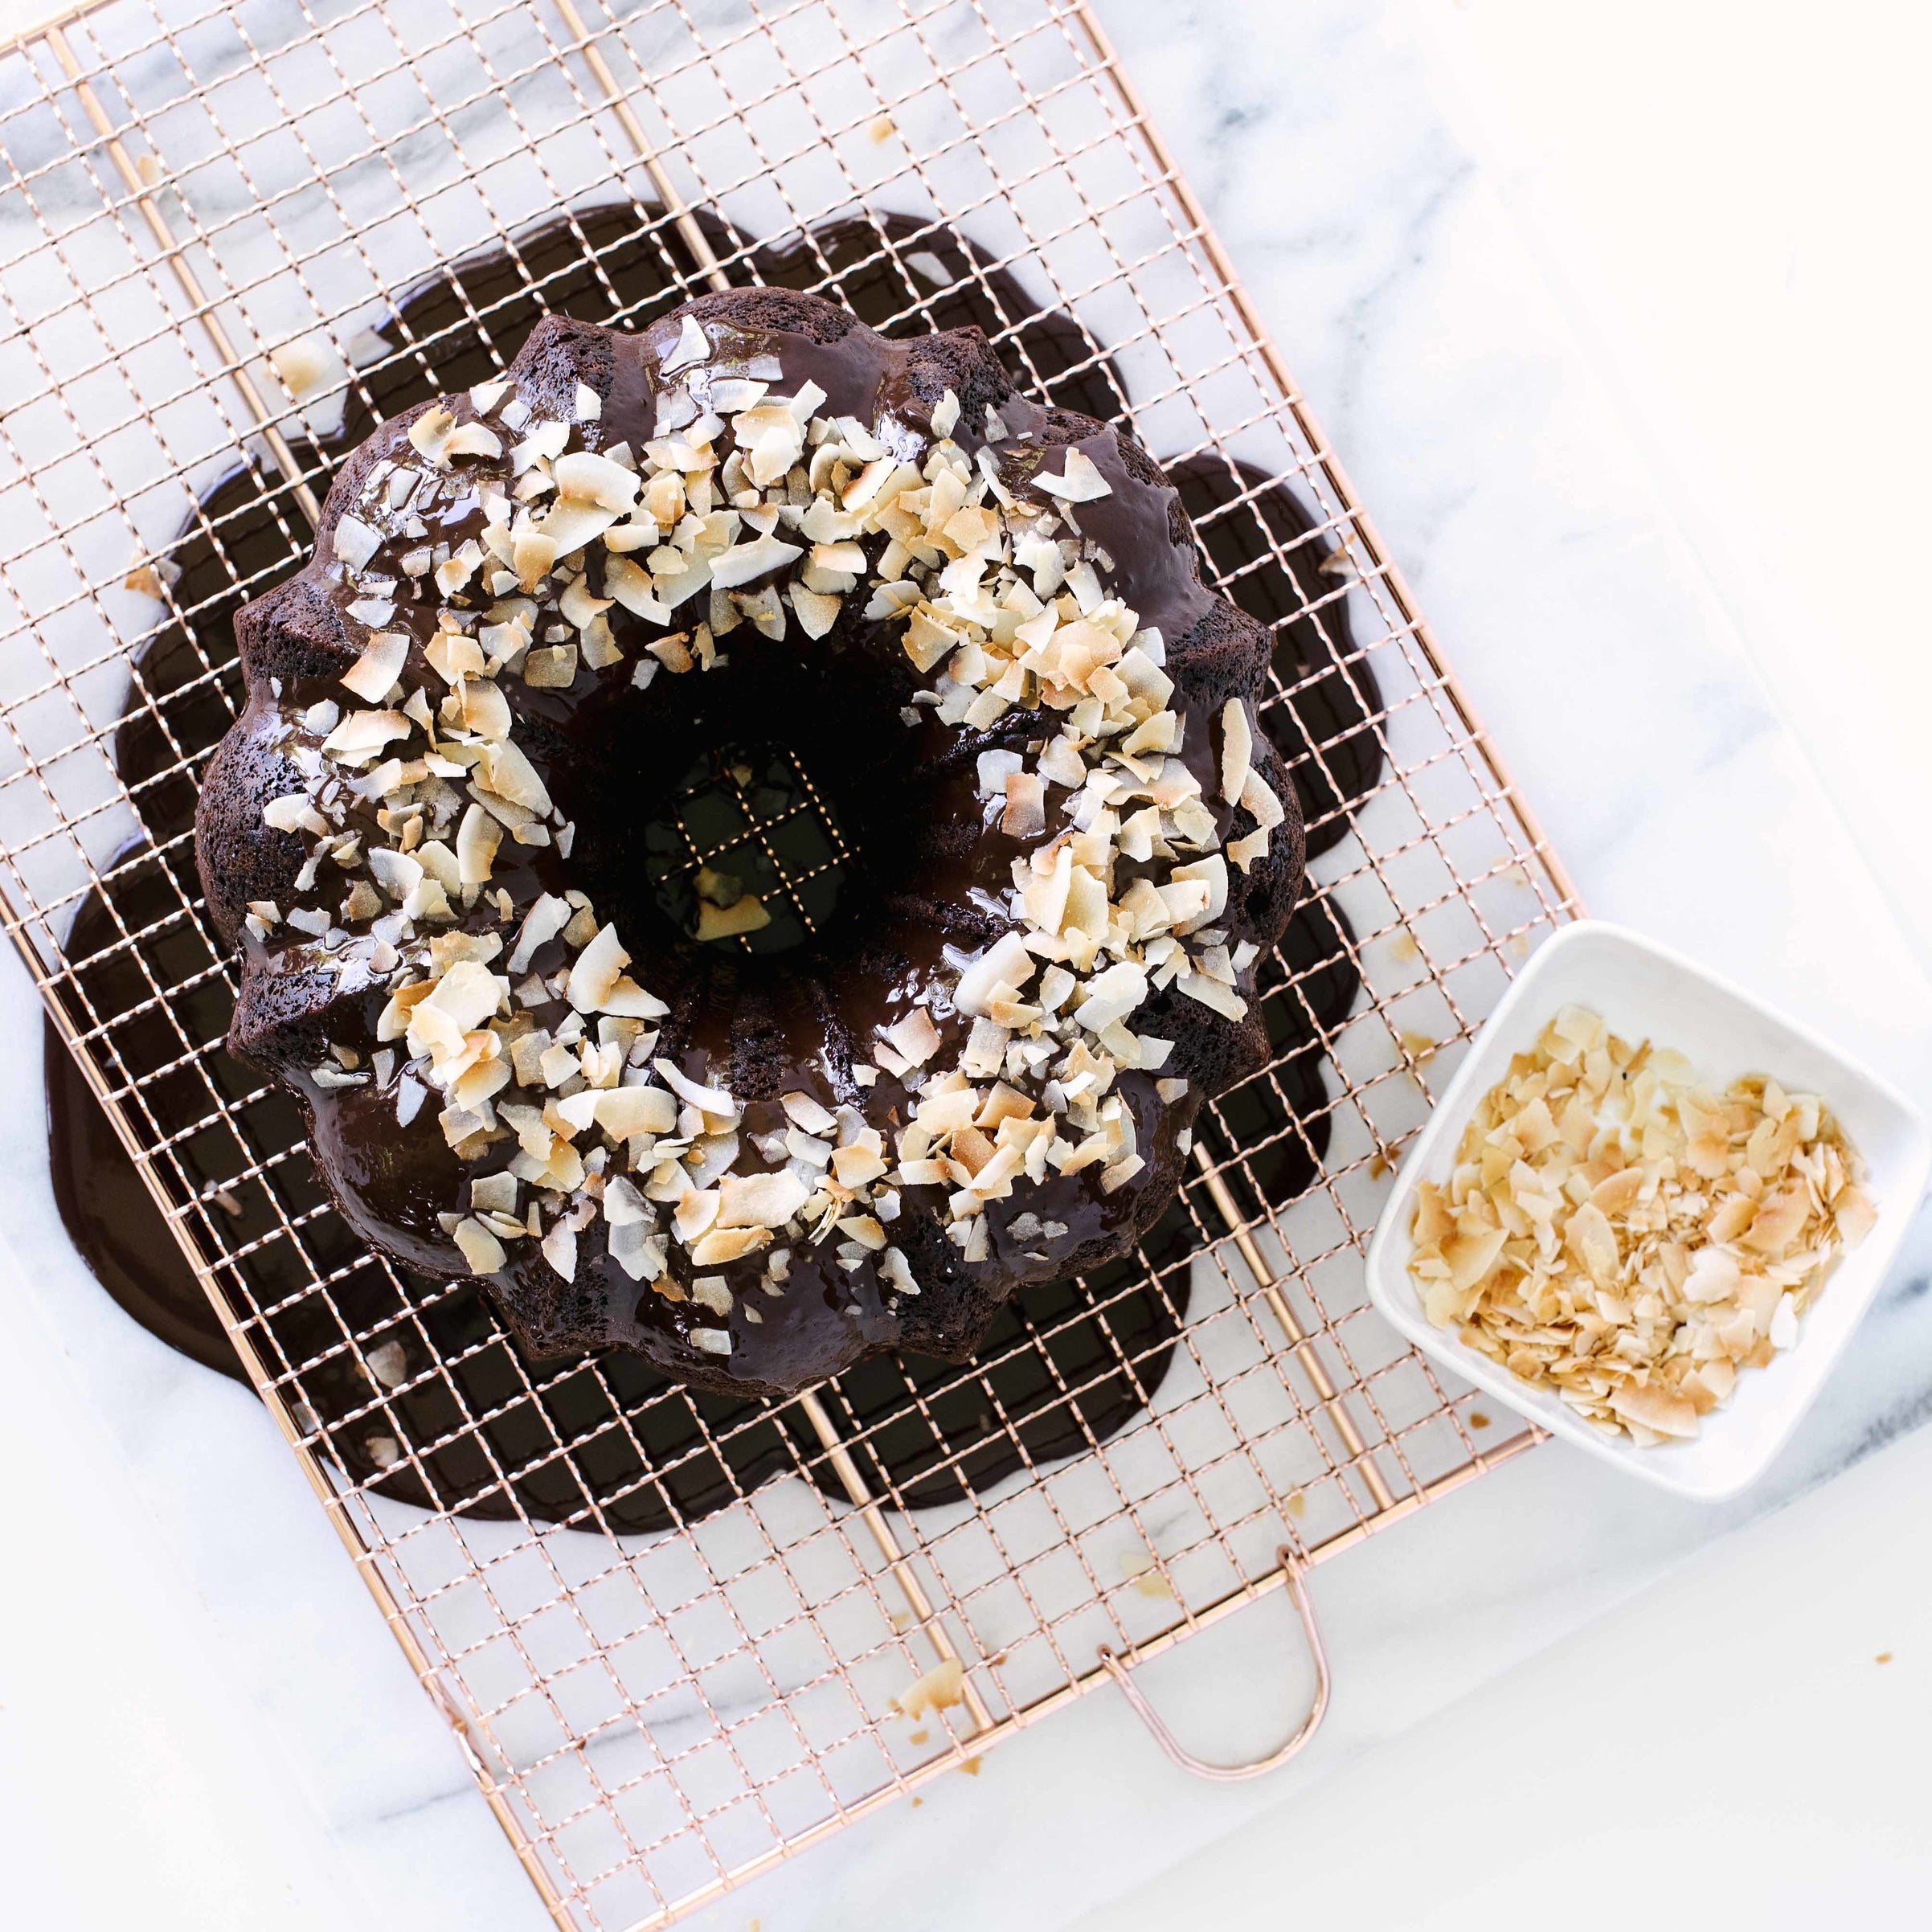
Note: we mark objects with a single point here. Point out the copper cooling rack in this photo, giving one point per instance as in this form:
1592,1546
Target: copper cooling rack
656,1714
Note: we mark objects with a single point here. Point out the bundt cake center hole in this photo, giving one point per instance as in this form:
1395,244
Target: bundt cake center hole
749,852
741,815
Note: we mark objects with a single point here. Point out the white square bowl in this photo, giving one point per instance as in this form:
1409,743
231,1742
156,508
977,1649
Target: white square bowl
1644,991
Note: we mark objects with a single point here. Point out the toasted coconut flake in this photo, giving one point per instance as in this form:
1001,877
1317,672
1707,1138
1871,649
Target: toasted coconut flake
551,667
293,812
532,554
1591,1238
558,1247
623,1111
1779,1220
1006,962
363,733
1112,996
745,563
481,1249
354,542
590,478
305,363
914,1036
747,913
761,1201
1259,800
855,1167
808,1114
1079,482
939,1689
594,978
1855,1212
1237,749
722,1244
1025,813
711,1100
472,439
570,523
373,675
1660,1409
816,611
546,919
691,346
429,434
505,772
478,838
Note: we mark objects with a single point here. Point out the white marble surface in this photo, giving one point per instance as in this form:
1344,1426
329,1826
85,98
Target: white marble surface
1609,671
1738,1745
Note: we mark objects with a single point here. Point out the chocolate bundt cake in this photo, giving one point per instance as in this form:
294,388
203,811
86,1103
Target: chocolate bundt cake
978,623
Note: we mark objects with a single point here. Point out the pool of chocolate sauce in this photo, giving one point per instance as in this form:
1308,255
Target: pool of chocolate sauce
472,1423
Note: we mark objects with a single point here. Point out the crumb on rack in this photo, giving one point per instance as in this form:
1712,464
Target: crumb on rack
941,1687
1142,1568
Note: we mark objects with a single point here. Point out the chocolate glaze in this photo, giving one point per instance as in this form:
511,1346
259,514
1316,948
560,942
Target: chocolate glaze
932,873
908,277
1263,545
107,1208
679,1476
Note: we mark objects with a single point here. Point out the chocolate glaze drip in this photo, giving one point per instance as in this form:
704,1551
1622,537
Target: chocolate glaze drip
108,1210
1109,1337
1261,545
906,277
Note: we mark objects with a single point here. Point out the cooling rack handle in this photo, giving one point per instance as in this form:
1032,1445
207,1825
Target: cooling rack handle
1230,1773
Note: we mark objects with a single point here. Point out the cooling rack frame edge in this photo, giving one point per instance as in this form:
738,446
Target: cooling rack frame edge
1110,1665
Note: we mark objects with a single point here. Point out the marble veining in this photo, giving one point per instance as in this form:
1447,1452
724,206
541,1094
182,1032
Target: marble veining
1605,666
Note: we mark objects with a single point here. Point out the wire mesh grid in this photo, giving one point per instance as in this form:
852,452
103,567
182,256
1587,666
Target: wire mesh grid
670,1632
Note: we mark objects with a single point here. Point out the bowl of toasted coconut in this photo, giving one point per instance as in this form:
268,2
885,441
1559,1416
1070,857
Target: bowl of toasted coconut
1649,1211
